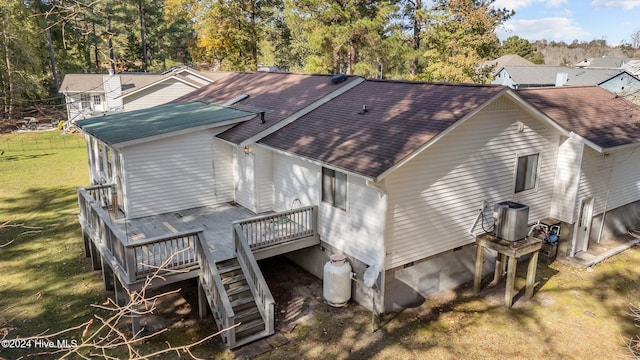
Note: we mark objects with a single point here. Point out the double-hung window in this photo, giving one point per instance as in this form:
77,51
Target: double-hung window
527,172
97,100
85,101
334,188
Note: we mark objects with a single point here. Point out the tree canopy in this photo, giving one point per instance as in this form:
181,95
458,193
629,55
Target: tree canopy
436,40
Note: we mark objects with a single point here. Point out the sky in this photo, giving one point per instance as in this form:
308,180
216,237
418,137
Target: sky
567,20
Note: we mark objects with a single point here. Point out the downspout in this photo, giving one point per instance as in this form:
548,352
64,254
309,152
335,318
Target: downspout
381,186
606,201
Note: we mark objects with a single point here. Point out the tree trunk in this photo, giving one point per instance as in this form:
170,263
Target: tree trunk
8,104
143,39
96,53
112,59
52,59
417,29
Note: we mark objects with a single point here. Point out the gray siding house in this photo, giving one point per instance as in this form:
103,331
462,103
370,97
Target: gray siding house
391,174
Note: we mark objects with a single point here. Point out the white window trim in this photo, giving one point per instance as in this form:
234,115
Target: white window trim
332,204
515,173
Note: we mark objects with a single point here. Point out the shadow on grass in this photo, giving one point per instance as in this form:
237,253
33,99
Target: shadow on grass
563,320
23,157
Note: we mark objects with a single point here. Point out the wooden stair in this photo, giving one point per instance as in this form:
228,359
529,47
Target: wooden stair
247,313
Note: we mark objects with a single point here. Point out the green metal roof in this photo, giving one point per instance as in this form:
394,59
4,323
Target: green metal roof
128,127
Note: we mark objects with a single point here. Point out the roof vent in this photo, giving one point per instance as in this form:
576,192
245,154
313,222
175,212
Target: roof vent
338,78
236,100
364,110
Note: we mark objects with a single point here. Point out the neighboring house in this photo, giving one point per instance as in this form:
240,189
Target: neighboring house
506,60
521,77
604,62
623,84
89,95
391,174
633,67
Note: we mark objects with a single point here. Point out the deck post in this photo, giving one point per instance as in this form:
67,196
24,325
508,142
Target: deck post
86,241
119,292
107,275
95,256
135,321
531,275
477,278
202,300
512,262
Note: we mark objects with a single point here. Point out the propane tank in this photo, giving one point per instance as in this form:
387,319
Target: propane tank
336,286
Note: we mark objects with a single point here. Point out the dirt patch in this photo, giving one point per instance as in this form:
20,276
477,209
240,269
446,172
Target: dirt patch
296,292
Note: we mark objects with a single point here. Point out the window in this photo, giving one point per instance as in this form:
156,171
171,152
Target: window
527,172
334,188
85,101
96,100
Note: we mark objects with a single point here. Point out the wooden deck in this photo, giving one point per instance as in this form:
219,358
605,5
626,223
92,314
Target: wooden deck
215,221
157,250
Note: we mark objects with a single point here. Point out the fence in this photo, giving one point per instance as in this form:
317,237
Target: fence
22,144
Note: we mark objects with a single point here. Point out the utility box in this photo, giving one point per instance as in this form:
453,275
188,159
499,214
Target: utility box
511,220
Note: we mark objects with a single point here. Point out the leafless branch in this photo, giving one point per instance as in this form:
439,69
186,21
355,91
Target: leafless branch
101,337
30,230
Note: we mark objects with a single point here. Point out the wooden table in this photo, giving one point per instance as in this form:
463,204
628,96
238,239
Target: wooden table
511,250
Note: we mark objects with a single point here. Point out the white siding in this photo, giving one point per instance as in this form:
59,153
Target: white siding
263,179
618,174
358,231
170,174
434,198
245,179
156,95
567,178
222,170
112,92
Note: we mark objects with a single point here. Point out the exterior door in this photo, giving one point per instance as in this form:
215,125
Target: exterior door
583,226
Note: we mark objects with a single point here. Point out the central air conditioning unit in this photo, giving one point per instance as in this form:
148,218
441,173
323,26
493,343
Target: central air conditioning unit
511,220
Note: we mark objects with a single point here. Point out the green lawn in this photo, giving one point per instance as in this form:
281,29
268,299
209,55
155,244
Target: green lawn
46,284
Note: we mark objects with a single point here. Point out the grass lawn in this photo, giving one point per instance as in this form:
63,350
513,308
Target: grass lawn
46,284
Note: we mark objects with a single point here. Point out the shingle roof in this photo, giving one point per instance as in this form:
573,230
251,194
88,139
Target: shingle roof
400,118
595,114
507,60
279,95
83,83
542,75
117,129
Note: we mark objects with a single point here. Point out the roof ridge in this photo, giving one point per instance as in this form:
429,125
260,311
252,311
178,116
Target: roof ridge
418,82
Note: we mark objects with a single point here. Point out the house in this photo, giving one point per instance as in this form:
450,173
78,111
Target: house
391,174
603,62
623,84
88,95
506,60
633,67
597,184
520,77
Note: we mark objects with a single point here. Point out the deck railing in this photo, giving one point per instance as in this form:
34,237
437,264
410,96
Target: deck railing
273,229
167,253
138,259
105,195
216,294
255,279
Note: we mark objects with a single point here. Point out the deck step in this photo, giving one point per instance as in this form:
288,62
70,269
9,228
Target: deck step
241,301
249,328
227,280
238,289
228,269
248,314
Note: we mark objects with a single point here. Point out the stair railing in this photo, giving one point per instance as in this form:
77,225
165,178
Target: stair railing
216,293
255,279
